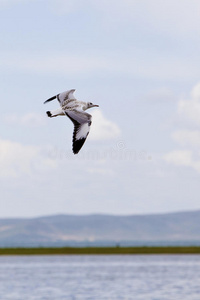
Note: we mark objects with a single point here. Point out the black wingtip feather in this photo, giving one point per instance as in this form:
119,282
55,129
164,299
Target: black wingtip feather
50,99
77,145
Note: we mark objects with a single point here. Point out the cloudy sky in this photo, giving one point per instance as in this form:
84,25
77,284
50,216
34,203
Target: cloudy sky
139,60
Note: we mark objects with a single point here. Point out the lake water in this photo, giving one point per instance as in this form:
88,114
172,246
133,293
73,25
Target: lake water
148,277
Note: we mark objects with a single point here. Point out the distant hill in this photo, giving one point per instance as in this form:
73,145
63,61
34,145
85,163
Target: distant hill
96,229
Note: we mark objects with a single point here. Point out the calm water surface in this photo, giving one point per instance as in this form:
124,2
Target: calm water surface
156,277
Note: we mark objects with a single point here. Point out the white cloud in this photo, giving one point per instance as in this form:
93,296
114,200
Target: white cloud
29,119
183,158
187,137
101,171
59,62
17,159
8,3
110,7
70,64
190,109
103,129
160,94
179,157
196,92
167,16
156,15
190,139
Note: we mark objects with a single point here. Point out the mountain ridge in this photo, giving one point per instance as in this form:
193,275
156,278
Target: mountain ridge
68,229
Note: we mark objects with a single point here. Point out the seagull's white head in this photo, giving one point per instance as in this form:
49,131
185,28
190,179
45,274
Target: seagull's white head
90,105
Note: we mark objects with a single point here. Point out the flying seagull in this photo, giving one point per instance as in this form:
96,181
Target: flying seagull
75,110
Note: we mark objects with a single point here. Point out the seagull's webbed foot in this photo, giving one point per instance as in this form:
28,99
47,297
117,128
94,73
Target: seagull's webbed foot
49,113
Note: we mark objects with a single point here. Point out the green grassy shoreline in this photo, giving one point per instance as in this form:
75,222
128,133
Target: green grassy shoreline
102,250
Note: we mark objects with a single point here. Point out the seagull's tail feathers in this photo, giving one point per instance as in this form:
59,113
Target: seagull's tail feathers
50,99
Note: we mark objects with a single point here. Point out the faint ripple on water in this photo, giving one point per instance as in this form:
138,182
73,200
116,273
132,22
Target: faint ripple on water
137,277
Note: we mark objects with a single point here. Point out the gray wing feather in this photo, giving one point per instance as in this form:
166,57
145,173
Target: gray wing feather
82,122
66,96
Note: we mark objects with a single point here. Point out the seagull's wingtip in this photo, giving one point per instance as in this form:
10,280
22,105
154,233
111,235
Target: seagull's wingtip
75,151
50,99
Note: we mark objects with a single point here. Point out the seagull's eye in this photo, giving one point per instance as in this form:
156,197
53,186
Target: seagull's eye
90,103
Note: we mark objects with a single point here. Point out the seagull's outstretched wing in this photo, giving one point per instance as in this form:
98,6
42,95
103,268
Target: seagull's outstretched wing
65,96
68,95
82,122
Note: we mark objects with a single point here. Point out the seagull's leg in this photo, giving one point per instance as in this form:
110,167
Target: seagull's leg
55,113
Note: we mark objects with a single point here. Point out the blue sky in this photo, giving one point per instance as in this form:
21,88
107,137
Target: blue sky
139,60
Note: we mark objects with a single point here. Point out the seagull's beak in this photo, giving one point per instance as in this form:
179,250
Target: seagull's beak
50,99
95,105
